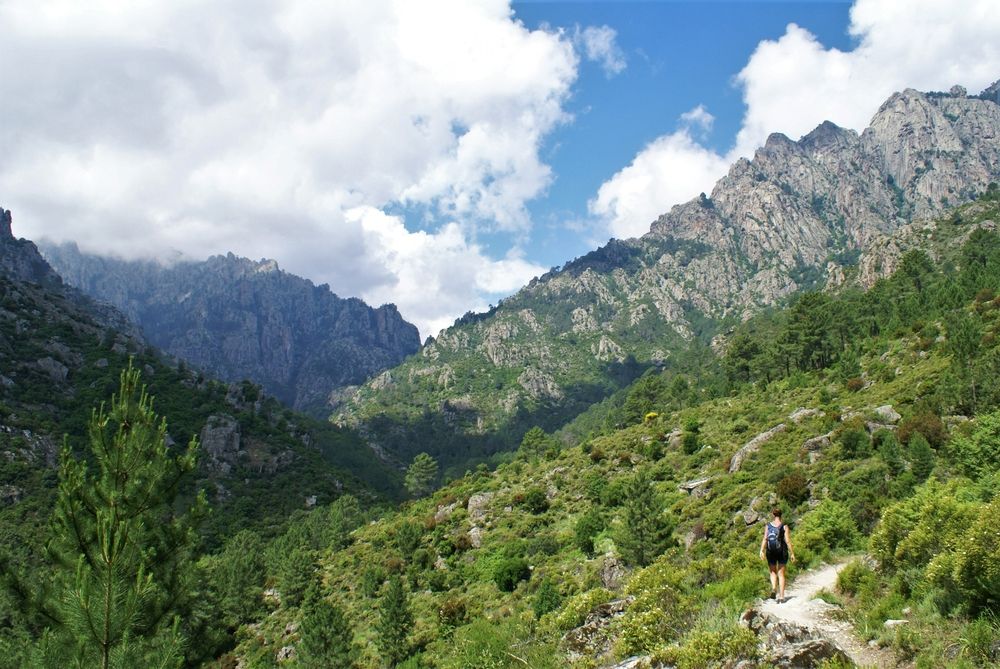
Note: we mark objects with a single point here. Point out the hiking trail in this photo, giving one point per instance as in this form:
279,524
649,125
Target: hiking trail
801,608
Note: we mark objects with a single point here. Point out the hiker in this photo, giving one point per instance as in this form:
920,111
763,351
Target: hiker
776,548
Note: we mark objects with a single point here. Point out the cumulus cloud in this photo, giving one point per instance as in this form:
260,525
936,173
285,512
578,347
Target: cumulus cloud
600,45
793,83
150,128
673,168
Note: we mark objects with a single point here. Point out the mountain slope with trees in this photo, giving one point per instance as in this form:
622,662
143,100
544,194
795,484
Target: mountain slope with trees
798,216
642,540
238,319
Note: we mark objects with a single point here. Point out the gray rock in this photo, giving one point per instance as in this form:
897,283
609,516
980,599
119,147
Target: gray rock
55,369
807,654
752,446
887,414
478,505
593,639
612,573
892,624
286,653
476,537
10,495
696,487
220,441
802,414
634,662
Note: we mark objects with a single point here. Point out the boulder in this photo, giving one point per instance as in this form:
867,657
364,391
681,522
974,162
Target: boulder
477,506
802,413
476,537
753,446
612,573
286,653
593,638
696,487
887,414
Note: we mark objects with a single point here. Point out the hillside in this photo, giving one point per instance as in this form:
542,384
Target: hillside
61,355
239,319
797,216
641,543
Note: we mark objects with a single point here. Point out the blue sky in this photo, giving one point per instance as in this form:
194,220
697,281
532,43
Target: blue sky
679,55
438,154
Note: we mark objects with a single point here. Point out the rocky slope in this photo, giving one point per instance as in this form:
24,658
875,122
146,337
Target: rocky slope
797,215
60,356
240,319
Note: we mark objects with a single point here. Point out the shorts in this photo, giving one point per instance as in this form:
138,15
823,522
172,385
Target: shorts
777,558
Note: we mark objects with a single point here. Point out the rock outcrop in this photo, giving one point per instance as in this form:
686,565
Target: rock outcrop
240,319
798,215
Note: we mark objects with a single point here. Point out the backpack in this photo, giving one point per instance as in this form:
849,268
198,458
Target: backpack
775,537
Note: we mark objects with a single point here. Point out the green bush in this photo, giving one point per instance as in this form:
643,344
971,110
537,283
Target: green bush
793,488
587,527
855,442
711,648
509,572
856,577
489,644
978,454
547,598
576,608
534,501
825,529
926,423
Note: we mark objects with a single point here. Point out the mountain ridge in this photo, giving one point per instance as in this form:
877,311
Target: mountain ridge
789,219
243,319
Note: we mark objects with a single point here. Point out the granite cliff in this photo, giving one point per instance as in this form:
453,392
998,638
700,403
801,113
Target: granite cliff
796,216
241,319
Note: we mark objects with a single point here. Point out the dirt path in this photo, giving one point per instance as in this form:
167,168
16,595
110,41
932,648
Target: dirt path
801,608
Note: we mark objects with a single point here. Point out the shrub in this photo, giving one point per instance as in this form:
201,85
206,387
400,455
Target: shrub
856,577
826,528
547,598
855,384
509,572
534,501
926,423
710,648
587,527
575,611
855,442
488,644
663,606
452,612
977,455
793,488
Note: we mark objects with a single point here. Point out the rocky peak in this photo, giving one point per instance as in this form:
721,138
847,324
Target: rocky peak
243,319
5,222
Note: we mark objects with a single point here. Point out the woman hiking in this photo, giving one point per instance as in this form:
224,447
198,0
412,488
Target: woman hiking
776,548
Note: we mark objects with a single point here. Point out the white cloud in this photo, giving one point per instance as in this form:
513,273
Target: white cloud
674,168
794,83
430,268
146,128
599,45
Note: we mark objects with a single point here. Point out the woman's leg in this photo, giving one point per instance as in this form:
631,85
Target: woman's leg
781,582
773,569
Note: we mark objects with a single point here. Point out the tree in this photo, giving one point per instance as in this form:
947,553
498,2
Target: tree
121,551
326,637
921,457
645,531
420,475
394,623
535,443
297,571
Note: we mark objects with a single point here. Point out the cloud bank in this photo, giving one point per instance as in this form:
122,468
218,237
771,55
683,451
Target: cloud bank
296,131
792,84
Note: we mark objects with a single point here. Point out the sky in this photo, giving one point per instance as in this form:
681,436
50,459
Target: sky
435,154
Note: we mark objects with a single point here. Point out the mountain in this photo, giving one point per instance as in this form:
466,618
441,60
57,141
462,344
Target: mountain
638,548
240,319
796,216
60,357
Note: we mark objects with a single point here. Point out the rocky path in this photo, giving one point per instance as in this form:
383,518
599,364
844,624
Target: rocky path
803,609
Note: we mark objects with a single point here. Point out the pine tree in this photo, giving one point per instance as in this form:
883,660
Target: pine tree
394,623
921,456
121,552
646,531
420,475
326,637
